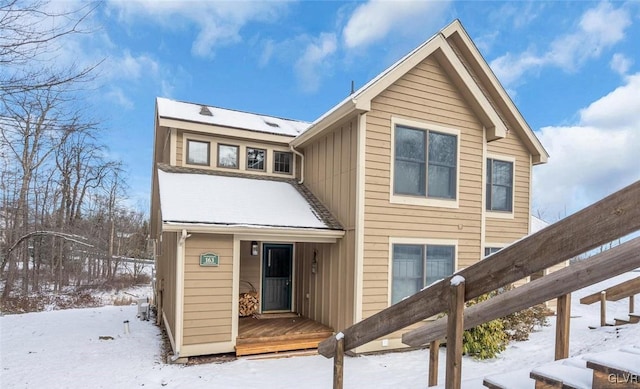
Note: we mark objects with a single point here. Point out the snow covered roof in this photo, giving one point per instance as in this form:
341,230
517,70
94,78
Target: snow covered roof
537,224
211,197
198,113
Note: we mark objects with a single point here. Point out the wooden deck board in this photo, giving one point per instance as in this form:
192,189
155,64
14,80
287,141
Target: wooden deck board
257,336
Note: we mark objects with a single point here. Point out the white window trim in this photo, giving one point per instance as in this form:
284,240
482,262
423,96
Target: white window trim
491,244
420,200
501,214
417,241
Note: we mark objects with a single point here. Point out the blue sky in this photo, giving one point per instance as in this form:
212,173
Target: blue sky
572,68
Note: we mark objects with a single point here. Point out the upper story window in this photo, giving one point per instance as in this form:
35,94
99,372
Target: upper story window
416,266
499,185
282,162
227,156
198,152
425,163
255,158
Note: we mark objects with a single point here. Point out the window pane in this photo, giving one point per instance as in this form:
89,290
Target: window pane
502,173
255,159
490,250
228,156
439,262
442,182
442,165
409,177
499,185
501,198
282,162
409,171
197,152
442,149
407,271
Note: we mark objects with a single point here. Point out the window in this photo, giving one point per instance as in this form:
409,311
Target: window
490,250
425,163
499,185
255,158
198,152
282,162
228,156
416,266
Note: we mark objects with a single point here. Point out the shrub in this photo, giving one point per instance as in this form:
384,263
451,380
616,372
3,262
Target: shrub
486,340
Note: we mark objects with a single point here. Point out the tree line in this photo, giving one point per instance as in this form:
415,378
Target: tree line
63,220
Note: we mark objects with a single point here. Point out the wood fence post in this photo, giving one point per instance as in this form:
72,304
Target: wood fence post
563,321
338,364
631,304
455,325
603,308
434,351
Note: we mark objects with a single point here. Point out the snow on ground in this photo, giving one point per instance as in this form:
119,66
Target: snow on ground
62,349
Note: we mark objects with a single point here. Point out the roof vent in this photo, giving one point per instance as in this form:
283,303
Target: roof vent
272,124
205,111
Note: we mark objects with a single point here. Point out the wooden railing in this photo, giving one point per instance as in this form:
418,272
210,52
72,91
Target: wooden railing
617,292
607,220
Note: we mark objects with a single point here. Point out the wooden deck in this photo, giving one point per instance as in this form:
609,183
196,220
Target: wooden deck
258,336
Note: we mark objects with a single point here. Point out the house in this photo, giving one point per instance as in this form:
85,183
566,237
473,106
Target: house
418,173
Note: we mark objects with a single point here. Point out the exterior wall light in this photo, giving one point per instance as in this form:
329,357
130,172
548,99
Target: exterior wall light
254,248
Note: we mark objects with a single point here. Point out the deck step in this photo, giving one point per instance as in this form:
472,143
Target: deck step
624,367
518,379
562,376
275,346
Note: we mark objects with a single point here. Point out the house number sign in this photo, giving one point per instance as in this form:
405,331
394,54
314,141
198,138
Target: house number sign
209,259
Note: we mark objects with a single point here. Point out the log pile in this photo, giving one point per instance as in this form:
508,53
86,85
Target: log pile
248,301
248,304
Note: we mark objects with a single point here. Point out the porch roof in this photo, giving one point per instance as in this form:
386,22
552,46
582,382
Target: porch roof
221,199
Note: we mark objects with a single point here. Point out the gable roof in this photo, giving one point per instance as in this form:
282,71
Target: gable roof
483,99
197,113
205,197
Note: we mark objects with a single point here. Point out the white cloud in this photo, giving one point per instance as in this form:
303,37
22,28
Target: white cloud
131,67
372,21
218,22
620,63
118,96
314,62
594,158
599,29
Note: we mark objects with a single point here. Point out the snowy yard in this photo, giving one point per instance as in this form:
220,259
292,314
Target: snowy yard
62,349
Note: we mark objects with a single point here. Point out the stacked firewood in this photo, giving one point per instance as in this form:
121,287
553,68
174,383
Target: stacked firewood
248,303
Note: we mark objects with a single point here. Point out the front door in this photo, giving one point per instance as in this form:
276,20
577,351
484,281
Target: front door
277,262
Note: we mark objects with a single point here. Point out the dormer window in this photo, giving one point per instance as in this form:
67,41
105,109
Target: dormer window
227,156
198,152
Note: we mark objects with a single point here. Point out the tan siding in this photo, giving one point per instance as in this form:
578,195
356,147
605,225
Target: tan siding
330,173
424,94
208,290
179,148
249,269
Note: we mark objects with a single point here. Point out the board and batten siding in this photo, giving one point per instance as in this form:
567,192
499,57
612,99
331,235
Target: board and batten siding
166,280
208,290
330,173
250,269
427,95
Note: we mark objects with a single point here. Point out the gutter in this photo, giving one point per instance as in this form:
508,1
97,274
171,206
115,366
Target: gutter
301,163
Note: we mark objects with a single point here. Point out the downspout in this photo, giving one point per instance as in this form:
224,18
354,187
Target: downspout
301,163
179,293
